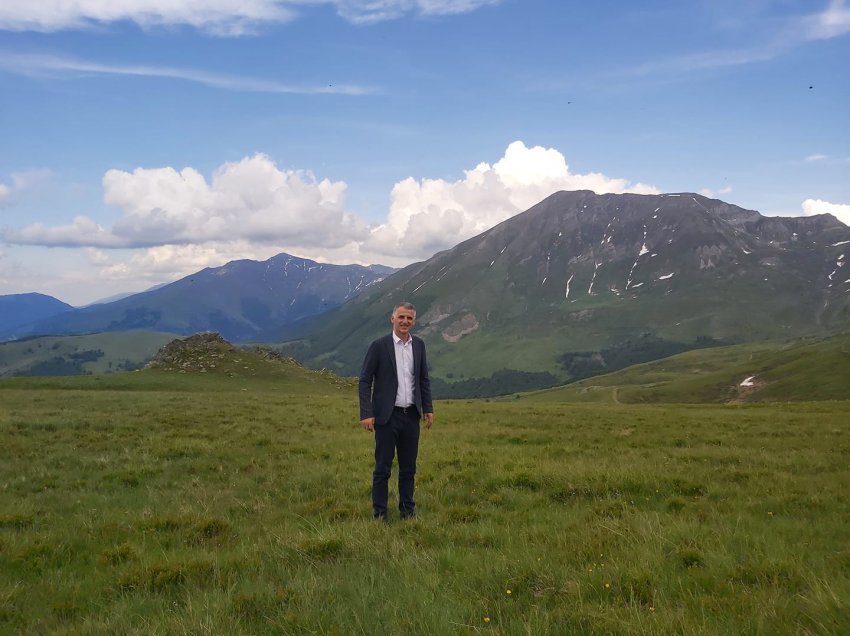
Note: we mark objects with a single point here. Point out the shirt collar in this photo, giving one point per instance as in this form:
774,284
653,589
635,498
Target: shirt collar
398,340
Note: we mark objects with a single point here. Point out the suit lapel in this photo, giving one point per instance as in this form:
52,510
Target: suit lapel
415,353
391,351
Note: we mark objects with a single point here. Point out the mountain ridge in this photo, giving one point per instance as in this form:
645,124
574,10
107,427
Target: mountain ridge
240,299
20,309
581,273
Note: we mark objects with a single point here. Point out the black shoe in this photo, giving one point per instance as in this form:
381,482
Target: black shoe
409,515
380,516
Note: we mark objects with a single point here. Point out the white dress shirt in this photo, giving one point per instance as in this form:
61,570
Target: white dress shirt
404,369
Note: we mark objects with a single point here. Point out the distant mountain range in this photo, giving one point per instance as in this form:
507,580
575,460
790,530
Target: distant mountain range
582,284
242,300
578,285
20,309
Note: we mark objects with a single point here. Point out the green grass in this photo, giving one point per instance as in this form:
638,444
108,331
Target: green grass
217,503
806,369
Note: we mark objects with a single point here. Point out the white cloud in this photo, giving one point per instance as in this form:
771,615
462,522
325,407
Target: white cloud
815,158
57,66
831,23
841,211
251,199
96,256
254,209
21,182
447,7
429,215
219,17
369,11
166,263
81,232
713,194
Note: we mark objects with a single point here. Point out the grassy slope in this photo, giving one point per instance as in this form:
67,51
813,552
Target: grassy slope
807,369
237,501
133,347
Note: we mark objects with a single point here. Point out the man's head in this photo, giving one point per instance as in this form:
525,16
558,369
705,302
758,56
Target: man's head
403,318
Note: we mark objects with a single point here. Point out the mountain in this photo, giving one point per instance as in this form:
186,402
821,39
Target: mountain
240,300
20,309
582,284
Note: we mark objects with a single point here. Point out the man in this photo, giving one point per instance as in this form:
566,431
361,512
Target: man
395,392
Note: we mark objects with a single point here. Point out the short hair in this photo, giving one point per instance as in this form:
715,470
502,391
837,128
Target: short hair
404,305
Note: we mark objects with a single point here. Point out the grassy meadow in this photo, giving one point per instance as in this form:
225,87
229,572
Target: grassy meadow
237,501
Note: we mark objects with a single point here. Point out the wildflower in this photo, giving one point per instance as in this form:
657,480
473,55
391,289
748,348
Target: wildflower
486,619
507,592
607,585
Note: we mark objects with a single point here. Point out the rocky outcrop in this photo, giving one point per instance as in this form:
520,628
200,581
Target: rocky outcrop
199,352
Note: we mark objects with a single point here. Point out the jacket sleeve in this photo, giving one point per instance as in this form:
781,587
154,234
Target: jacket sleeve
425,384
367,379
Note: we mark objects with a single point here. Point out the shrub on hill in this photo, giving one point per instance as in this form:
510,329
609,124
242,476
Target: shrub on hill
68,364
502,382
644,348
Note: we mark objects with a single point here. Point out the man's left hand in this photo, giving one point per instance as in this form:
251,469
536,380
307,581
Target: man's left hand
429,419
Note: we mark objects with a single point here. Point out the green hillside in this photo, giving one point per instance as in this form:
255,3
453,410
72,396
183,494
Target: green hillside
200,363
79,355
797,370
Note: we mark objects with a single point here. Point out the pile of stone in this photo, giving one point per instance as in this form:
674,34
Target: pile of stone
199,352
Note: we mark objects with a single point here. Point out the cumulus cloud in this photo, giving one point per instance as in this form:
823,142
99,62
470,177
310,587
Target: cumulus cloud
429,215
219,17
178,221
841,211
81,232
251,199
171,262
4,193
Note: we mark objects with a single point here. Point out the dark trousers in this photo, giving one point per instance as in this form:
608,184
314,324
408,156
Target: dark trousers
399,434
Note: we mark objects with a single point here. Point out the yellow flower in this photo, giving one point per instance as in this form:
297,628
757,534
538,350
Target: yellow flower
607,585
486,619
507,591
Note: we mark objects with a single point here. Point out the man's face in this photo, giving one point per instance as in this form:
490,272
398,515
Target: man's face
403,320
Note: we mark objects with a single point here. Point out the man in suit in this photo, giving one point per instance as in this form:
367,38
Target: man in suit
395,392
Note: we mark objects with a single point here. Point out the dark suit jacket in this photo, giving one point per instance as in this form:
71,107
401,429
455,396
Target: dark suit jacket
379,380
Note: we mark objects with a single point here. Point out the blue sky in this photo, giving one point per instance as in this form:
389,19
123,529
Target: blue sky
141,140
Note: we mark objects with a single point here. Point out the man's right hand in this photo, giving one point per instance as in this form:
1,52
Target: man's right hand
368,424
